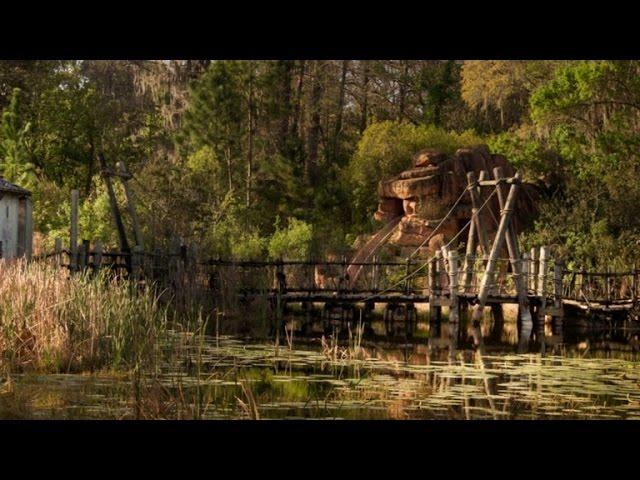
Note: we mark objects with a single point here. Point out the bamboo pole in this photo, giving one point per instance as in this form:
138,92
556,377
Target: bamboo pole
498,243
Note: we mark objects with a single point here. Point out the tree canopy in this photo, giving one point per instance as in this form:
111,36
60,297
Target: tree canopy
281,158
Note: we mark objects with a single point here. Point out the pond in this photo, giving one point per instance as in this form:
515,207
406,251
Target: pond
587,371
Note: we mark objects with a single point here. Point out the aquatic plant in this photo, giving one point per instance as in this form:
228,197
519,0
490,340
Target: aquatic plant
51,321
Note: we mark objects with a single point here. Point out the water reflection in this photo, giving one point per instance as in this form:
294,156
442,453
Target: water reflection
494,369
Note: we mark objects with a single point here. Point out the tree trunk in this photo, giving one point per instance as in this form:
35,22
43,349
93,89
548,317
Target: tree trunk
338,129
250,140
285,99
365,96
314,130
298,108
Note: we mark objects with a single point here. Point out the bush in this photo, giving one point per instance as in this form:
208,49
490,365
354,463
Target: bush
291,243
386,149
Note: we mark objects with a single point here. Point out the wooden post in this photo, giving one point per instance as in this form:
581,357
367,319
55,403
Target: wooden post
498,243
542,272
557,286
526,265
58,251
73,234
115,211
136,262
435,310
124,177
82,257
174,252
375,273
408,282
441,273
533,272
514,254
634,284
475,203
454,305
97,256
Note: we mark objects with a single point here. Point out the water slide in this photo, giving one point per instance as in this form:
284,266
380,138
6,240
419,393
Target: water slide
362,255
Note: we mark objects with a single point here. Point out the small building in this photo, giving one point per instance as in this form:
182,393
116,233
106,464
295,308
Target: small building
16,223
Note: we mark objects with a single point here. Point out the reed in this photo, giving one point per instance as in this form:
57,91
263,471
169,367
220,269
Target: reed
53,322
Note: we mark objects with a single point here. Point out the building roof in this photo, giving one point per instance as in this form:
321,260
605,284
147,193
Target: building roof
6,186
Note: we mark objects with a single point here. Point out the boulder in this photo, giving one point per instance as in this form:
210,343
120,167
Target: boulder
424,193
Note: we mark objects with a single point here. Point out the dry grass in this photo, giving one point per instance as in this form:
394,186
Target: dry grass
50,321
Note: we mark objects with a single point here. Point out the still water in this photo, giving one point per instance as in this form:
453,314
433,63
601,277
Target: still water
496,371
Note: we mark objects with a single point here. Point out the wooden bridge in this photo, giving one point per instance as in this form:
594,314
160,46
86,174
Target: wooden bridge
479,277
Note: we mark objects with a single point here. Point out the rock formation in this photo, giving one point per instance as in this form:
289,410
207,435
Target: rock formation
423,194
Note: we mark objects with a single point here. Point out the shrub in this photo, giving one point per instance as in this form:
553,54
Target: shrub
292,242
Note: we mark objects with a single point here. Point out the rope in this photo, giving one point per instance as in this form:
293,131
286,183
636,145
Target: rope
414,273
441,222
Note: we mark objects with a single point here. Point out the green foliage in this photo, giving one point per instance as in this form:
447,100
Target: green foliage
292,242
14,154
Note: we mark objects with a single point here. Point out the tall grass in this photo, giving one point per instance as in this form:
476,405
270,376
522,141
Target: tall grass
51,321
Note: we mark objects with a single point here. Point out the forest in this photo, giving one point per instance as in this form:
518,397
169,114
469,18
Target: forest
281,159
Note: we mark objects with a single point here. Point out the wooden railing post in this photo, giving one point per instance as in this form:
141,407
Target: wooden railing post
73,234
97,257
557,285
435,310
533,279
376,268
454,305
82,257
542,272
58,251
408,280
